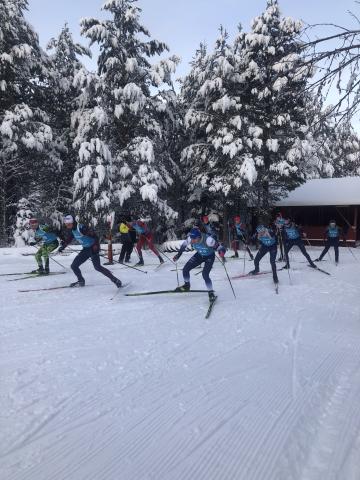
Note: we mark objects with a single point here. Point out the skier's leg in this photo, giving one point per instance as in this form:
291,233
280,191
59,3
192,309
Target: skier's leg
38,258
128,251
249,252
288,246
324,252
281,244
123,252
301,245
235,246
336,249
194,262
47,250
149,239
209,261
95,258
262,251
84,255
273,253
139,246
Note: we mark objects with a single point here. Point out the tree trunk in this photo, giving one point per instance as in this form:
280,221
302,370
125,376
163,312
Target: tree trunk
3,222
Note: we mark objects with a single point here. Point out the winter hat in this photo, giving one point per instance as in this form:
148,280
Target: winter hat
237,218
195,233
68,219
33,221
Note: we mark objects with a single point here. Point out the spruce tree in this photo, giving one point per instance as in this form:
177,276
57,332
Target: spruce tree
117,128
26,139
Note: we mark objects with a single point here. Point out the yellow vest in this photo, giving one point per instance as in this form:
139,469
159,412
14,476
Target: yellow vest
123,228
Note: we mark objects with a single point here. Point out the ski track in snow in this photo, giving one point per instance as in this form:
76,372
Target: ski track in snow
144,388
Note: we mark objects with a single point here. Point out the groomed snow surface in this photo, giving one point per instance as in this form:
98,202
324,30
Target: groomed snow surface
142,388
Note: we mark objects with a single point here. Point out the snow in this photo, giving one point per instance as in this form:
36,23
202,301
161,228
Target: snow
146,388
325,191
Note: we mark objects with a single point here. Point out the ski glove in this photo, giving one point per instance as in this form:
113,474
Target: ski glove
175,258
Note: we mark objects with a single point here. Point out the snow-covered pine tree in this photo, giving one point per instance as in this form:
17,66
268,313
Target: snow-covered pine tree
61,100
25,136
22,233
216,123
273,84
117,131
335,149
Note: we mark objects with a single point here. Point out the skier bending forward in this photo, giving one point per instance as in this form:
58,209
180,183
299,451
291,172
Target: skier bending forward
91,248
205,247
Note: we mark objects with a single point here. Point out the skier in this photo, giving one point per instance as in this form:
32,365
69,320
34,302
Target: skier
332,239
239,233
49,238
279,225
205,246
292,237
145,236
126,238
268,244
87,237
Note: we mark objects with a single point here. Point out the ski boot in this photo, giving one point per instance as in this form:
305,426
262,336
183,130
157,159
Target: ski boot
79,283
312,265
183,288
140,263
236,255
212,296
161,260
39,271
118,283
253,272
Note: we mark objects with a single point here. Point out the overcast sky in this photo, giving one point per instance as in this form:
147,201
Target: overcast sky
183,24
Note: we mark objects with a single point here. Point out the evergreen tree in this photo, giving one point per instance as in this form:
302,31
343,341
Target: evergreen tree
62,95
273,86
26,139
117,129
22,233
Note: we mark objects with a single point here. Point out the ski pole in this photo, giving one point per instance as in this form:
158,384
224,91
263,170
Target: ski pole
124,265
223,264
172,261
177,274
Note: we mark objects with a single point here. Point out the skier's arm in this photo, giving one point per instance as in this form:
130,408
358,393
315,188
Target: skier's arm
182,249
65,241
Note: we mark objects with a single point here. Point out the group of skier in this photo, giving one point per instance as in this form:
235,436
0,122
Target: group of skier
203,238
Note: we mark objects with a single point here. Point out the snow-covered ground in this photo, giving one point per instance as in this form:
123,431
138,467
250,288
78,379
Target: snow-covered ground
142,388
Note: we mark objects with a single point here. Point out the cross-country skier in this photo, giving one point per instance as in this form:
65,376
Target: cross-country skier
279,223
126,238
292,236
240,235
205,246
87,237
49,238
145,236
268,244
332,239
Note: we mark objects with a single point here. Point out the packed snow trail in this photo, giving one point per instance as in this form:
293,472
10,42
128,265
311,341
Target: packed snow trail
145,388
